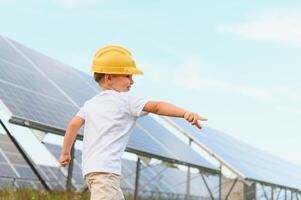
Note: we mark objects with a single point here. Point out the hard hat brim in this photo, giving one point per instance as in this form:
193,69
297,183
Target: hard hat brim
117,70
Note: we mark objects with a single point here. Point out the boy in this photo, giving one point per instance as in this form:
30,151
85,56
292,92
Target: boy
109,118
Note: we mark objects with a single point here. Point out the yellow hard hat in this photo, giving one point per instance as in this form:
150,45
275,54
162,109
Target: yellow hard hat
114,59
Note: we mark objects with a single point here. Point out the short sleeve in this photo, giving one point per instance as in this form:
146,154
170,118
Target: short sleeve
81,113
136,105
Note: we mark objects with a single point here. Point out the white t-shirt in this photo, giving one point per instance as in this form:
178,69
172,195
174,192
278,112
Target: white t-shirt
109,118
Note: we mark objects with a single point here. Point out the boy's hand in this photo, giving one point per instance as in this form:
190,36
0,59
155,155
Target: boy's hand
193,118
65,159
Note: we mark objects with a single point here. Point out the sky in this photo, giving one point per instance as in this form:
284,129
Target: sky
234,62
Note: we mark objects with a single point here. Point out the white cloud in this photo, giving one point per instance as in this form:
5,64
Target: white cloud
153,71
72,3
191,77
282,28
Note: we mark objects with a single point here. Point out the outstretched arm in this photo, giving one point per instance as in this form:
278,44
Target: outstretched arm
167,109
71,132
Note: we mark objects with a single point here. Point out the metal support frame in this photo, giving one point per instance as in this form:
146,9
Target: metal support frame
70,170
272,192
187,196
249,192
232,186
25,156
206,184
220,183
278,195
137,179
265,194
285,194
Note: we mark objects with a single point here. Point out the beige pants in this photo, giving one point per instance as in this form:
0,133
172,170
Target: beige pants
104,186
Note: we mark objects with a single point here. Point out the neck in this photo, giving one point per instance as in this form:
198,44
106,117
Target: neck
105,87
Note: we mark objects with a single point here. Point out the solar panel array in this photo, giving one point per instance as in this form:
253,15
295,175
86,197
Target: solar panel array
154,179
151,137
14,171
40,89
255,164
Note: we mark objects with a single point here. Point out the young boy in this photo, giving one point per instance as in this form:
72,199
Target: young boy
109,118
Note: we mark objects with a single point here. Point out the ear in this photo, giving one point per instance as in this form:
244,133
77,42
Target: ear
107,77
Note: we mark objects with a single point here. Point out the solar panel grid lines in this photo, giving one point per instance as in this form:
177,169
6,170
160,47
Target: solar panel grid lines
178,124
157,141
23,172
156,176
68,80
128,176
77,173
10,54
255,164
8,162
172,144
36,108
28,81
42,73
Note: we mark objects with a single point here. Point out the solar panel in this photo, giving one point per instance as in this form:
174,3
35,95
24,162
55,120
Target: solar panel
255,164
38,108
25,172
2,160
42,90
150,137
13,165
6,170
70,80
10,55
172,180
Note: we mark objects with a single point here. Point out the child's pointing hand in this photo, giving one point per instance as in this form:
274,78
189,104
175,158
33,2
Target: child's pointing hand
193,118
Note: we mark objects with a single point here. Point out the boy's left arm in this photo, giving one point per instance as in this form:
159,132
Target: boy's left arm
167,109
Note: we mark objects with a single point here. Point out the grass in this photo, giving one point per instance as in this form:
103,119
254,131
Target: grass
30,194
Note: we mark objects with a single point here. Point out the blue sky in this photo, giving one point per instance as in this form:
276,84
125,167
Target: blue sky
235,62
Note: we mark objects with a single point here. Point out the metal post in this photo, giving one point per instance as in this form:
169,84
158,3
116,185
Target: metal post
272,193
220,183
70,170
187,196
232,186
137,179
210,193
285,194
280,190
26,158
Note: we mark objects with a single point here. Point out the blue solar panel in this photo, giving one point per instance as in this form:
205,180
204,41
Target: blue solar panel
255,164
16,167
70,80
149,136
6,170
35,107
25,172
10,55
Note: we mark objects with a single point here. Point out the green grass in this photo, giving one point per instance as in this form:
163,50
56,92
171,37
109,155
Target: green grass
30,194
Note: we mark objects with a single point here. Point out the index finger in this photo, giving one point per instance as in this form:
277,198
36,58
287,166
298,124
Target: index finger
202,118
